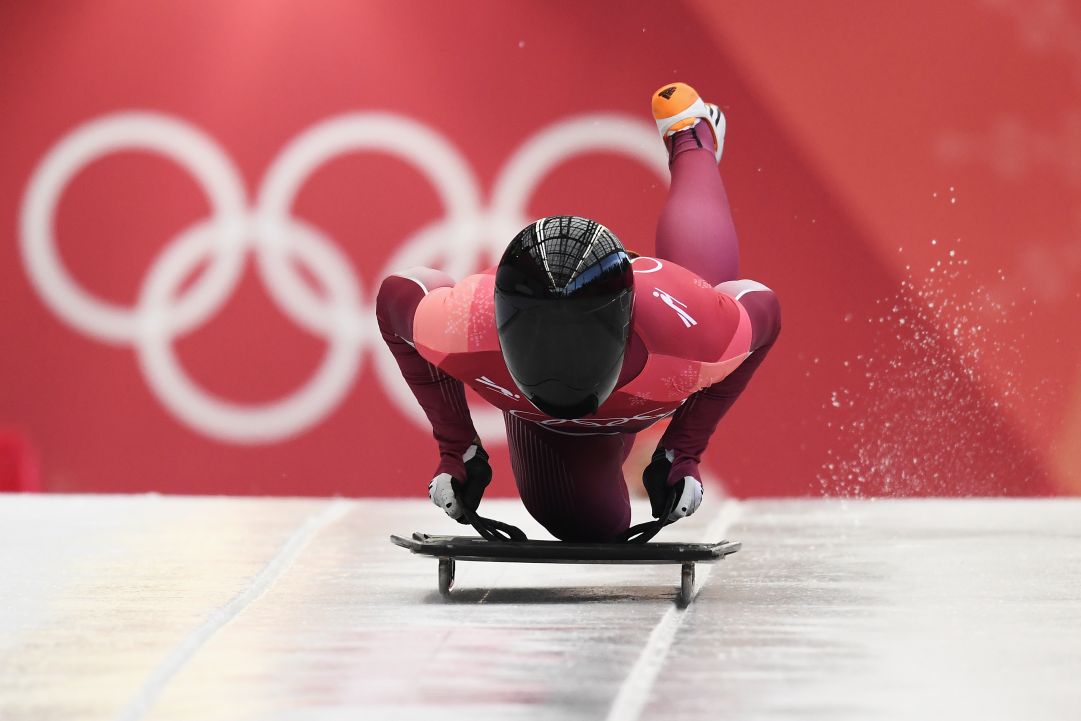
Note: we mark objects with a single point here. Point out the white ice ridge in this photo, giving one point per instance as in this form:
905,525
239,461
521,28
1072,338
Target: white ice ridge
155,684
634,691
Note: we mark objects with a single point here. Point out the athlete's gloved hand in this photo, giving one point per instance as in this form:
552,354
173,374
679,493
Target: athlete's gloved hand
453,495
670,500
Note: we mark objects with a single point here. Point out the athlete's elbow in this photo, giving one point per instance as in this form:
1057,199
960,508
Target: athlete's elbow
764,309
773,325
384,302
395,304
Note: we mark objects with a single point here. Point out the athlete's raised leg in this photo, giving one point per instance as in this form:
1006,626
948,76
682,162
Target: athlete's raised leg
695,229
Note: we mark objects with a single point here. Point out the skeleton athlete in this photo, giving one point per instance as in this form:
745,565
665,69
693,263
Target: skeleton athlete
582,344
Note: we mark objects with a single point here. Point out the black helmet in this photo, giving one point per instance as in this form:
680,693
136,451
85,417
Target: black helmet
564,291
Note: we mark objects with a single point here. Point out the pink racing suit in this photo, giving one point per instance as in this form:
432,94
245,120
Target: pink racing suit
697,335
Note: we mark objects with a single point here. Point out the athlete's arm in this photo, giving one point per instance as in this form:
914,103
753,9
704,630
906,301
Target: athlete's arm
441,396
693,424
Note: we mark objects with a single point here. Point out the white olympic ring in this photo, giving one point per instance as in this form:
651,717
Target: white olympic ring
279,242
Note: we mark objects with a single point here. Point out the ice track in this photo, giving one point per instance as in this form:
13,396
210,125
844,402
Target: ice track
147,607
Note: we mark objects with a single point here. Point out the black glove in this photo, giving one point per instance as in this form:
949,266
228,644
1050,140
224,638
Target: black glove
478,474
453,495
670,502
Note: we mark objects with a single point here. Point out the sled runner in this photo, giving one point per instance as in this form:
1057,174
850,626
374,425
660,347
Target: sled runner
449,549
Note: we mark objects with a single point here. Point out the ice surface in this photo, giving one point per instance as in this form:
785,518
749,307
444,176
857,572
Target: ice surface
195,608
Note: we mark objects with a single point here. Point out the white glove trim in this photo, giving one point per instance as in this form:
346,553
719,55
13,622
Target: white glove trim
689,500
441,492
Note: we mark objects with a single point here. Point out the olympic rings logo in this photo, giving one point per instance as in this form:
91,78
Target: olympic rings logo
280,243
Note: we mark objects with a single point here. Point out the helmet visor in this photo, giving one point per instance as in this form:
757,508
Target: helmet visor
564,354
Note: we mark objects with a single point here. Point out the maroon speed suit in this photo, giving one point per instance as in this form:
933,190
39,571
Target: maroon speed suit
697,335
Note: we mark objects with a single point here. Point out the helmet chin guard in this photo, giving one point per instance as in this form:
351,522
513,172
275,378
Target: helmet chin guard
564,294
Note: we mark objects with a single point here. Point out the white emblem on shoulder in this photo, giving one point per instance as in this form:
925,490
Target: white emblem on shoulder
677,306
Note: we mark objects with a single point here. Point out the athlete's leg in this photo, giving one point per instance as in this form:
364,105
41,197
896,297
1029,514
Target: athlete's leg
572,485
695,229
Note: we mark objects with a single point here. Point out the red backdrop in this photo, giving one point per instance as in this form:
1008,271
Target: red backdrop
200,198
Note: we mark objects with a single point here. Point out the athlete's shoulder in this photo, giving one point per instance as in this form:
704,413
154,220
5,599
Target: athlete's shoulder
457,319
678,313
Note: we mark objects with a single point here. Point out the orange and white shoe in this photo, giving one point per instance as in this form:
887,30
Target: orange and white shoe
678,107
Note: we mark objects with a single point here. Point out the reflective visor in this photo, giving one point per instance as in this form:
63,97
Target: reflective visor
565,354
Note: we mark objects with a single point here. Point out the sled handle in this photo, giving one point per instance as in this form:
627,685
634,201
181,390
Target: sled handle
493,530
